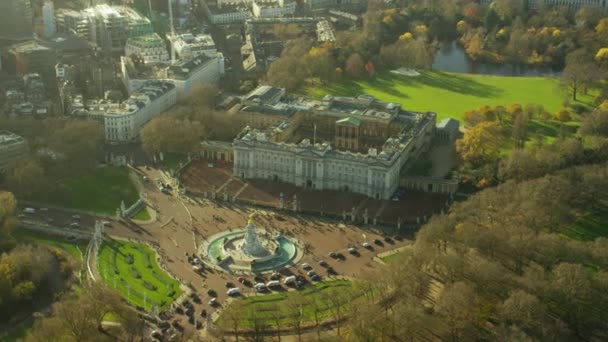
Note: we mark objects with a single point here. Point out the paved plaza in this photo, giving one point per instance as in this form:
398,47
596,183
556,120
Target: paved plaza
200,179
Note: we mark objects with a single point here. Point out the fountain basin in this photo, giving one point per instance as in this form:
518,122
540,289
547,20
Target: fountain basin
223,251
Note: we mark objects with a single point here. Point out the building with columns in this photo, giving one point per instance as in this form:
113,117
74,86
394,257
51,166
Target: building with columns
350,144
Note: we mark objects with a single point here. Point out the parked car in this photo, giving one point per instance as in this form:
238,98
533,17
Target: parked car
323,263
353,251
306,266
333,255
366,245
76,217
229,284
234,291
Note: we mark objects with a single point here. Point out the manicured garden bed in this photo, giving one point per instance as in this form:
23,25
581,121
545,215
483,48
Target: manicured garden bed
132,270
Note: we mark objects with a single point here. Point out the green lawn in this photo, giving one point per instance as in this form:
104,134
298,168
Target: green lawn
451,94
74,248
132,270
389,259
590,226
142,215
101,191
268,306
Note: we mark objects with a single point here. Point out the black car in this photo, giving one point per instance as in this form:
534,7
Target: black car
378,242
333,255
323,263
212,293
259,279
388,239
229,285
397,238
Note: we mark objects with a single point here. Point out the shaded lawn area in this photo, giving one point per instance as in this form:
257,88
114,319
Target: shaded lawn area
545,131
451,94
142,215
74,248
392,258
590,226
101,191
132,270
267,307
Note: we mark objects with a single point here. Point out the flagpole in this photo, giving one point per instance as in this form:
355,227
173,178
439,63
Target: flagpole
314,135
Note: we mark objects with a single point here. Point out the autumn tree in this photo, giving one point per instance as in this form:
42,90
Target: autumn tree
520,130
26,178
354,65
295,309
480,144
8,221
289,71
168,134
595,123
580,71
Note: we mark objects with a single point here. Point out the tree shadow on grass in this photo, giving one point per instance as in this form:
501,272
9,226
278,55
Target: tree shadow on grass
387,85
454,83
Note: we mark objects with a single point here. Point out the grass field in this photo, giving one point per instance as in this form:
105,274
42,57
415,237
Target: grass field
100,191
451,94
74,248
268,307
590,226
142,215
132,270
389,259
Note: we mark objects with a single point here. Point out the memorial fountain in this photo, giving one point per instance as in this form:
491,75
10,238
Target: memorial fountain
250,250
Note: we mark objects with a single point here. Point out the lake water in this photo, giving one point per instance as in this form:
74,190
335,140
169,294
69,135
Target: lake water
452,57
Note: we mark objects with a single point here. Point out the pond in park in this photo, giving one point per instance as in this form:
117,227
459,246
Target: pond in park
452,57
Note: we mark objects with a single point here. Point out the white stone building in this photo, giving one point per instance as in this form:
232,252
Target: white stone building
124,123
183,74
189,46
320,166
229,13
151,48
273,8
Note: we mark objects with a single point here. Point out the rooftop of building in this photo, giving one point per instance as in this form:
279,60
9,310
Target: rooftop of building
147,39
362,106
66,42
264,93
351,111
183,69
283,20
28,46
148,92
8,138
103,10
198,39
449,124
225,8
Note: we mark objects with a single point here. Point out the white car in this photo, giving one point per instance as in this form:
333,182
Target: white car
306,266
366,245
233,291
75,217
213,301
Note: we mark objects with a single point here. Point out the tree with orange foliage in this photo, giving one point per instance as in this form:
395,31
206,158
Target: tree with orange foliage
480,144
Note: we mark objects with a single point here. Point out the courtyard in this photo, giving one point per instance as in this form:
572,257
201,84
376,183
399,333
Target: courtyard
199,178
